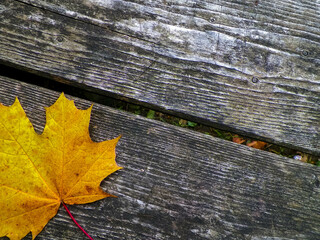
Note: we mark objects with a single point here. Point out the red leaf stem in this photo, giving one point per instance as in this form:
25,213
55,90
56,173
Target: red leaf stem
65,206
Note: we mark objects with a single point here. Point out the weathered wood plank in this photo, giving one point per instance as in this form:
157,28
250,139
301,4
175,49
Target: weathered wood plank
253,69
180,184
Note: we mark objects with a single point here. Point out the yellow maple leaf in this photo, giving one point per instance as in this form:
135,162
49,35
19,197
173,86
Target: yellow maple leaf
39,172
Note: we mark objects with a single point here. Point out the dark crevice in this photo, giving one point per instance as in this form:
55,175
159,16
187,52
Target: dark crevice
77,90
46,81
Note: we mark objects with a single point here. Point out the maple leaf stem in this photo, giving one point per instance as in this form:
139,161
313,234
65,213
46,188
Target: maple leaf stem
74,220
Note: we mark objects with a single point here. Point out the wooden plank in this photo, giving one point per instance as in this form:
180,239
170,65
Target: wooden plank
245,67
181,184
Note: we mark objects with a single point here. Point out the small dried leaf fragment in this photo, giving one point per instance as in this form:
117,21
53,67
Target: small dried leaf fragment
238,139
38,172
257,144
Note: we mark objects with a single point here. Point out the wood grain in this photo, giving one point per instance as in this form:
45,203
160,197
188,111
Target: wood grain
181,184
252,68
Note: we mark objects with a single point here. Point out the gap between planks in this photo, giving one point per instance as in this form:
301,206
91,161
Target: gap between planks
126,104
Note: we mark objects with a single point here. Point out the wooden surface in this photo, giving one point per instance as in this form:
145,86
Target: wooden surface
181,184
252,67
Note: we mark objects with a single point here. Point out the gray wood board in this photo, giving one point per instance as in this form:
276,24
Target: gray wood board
252,69
181,184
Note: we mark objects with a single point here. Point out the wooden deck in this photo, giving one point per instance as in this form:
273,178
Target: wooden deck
252,67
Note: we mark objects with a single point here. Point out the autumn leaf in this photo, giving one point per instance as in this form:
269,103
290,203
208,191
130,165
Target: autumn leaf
39,172
257,144
238,139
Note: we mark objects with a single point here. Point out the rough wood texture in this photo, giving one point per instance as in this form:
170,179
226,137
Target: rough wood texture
252,67
180,184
